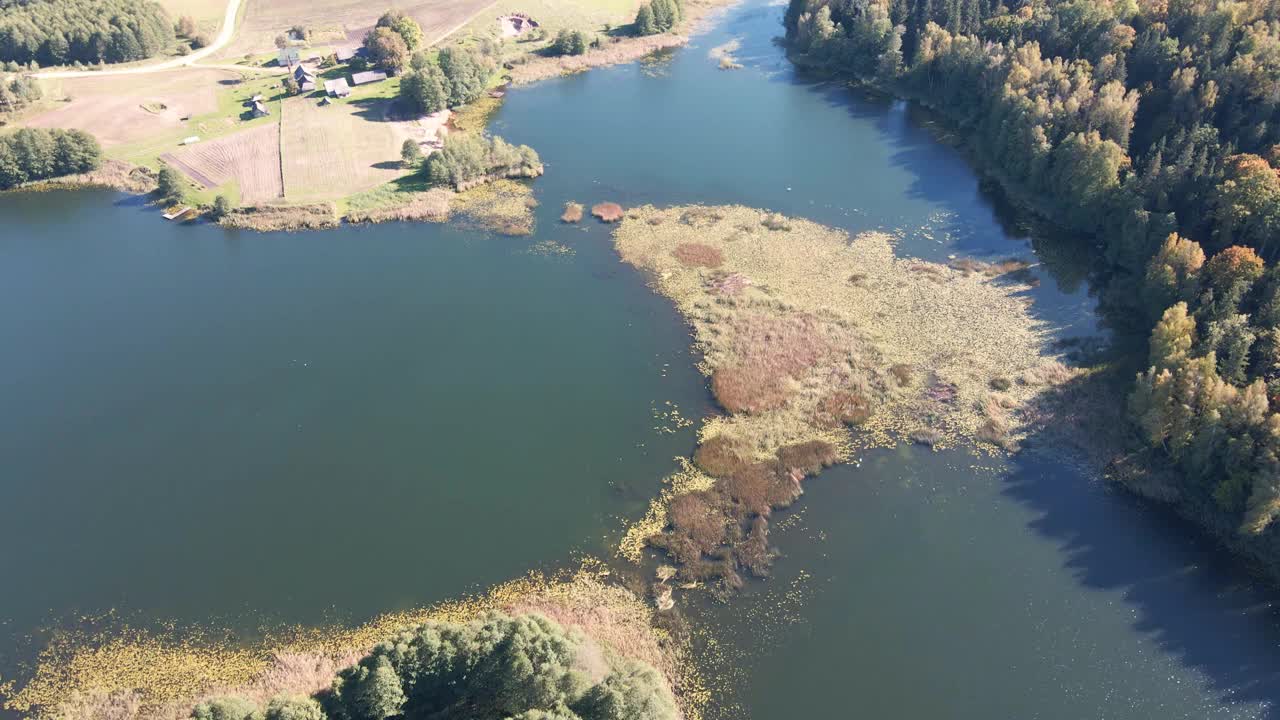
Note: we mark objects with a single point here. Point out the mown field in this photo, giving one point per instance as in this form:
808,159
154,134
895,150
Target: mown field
122,109
332,151
340,22
249,159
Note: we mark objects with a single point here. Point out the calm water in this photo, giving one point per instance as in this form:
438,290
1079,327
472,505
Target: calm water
198,423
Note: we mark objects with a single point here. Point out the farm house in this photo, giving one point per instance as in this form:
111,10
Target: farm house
305,77
337,88
288,57
370,76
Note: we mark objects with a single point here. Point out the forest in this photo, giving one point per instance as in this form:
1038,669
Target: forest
59,32
1148,129
36,154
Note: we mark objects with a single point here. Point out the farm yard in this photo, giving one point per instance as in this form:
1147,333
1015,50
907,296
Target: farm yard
333,151
250,159
342,22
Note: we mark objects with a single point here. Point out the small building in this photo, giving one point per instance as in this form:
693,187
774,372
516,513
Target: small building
337,88
369,76
191,140
260,109
305,77
288,57
345,55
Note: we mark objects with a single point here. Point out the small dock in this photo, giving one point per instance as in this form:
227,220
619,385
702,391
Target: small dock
179,213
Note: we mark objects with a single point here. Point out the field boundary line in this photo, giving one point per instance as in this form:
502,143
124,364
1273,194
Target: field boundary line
280,150
462,24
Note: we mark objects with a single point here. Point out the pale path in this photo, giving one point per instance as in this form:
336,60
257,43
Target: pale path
225,33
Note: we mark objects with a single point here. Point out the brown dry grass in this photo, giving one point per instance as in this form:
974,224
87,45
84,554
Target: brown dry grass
113,175
126,674
430,206
796,352
266,218
625,50
698,255
334,151
251,158
572,212
607,211
111,107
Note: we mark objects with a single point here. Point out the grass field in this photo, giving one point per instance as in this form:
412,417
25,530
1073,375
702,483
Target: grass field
249,159
592,16
341,21
206,13
333,151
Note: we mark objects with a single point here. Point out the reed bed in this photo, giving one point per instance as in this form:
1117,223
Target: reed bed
126,674
803,332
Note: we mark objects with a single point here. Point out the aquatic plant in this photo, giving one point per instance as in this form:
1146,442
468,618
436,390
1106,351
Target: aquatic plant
607,211
796,352
572,212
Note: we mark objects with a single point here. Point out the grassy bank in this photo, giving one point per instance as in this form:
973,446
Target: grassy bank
127,674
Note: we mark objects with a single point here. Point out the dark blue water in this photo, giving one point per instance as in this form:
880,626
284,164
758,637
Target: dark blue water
203,424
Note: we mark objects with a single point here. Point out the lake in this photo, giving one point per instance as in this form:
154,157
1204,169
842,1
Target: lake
203,426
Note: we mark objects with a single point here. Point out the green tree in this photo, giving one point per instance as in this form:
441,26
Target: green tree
410,154
221,206
171,186
466,74
1172,274
1173,337
387,49
404,26
645,24
425,88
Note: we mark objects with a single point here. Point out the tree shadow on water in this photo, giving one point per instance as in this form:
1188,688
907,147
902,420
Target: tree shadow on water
1189,597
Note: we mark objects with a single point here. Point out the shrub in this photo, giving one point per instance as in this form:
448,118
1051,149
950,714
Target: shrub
221,206
569,42
225,708
293,708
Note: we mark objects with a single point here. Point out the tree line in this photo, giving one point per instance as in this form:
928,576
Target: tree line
17,92
521,668
1151,127
38,154
57,32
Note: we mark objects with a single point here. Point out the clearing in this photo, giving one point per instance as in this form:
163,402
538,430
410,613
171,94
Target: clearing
343,22
250,159
332,151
